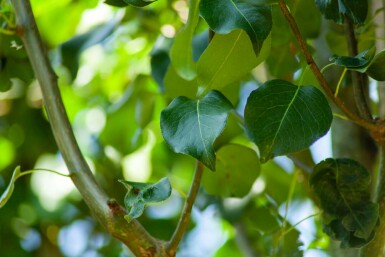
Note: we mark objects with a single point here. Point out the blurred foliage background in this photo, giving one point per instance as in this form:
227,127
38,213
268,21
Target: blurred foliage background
111,63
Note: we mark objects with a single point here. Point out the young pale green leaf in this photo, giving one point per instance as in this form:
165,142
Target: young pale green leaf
227,59
358,63
181,52
140,194
282,118
191,126
175,85
224,16
8,192
376,69
355,10
343,188
237,169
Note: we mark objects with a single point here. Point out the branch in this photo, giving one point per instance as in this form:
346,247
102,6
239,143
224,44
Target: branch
185,217
132,234
368,124
358,79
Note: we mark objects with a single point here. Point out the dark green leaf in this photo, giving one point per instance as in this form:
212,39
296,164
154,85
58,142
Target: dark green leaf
355,10
227,59
237,169
191,126
8,192
224,16
160,60
117,3
343,188
376,69
358,63
282,118
140,194
123,3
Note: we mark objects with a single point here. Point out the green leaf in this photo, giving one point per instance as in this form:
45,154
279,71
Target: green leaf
191,126
181,52
123,3
224,16
227,59
282,118
71,50
343,188
376,69
355,10
140,194
358,63
175,85
237,169
117,3
8,192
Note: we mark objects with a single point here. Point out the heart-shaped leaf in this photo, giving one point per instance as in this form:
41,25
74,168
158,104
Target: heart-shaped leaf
181,52
376,69
237,169
355,10
8,192
224,16
227,59
343,188
191,126
140,194
359,63
282,118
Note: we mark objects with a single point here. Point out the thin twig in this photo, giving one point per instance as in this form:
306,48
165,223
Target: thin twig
368,124
184,220
132,234
358,79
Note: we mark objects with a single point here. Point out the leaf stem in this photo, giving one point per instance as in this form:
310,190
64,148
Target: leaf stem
368,124
358,79
132,234
185,217
340,82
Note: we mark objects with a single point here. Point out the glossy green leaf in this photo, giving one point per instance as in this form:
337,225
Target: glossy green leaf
191,126
9,190
355,10
282,118
140,194
343,188
237,169
358,63
227,59
181,52
376,69
224,16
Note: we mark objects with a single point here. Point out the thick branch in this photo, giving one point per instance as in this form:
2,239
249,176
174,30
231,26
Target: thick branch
132,234
185,217
368,124
358,79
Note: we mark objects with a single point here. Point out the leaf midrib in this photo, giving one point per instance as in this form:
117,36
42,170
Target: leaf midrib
236,7
284,117
200,132
225,61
